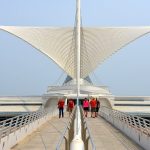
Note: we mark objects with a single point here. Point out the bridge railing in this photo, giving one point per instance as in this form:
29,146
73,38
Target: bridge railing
15,129
10,125
140,124
86,133
68,133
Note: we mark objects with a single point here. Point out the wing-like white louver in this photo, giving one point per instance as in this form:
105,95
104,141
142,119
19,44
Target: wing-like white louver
56,43
101,43
97,44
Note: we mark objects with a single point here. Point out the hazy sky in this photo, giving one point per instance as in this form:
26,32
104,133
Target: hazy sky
25,71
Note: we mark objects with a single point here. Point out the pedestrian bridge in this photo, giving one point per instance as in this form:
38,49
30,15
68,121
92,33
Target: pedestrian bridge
43,130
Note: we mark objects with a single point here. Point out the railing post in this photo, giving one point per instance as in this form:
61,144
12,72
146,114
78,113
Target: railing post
66,143
9,128
69,135
16,124
87,143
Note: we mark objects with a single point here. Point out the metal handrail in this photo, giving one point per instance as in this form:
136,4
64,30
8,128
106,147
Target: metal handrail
85,129
70,128
10,125
140,124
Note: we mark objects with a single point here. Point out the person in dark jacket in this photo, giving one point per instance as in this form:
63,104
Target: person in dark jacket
97,106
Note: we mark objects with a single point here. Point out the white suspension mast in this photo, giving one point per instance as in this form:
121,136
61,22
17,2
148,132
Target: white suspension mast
77,143
78,46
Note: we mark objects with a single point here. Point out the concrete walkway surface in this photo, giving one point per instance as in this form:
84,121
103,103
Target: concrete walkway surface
46,137
107,137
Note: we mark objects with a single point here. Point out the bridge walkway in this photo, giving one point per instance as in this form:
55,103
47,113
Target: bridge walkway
107,137
46,137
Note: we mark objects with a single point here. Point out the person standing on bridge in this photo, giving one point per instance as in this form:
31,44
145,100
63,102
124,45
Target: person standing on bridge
97,106
60,104
93,107
70,106
86,106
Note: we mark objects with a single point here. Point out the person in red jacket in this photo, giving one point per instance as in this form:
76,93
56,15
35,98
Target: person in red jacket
70,106
93,107
61,103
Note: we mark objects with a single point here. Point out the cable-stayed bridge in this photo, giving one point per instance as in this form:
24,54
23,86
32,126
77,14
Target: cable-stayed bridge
78,51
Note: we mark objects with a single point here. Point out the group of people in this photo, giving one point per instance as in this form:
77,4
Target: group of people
93,103
61,104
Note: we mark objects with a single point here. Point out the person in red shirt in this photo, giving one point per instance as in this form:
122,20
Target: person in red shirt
70,106
60,104
93,107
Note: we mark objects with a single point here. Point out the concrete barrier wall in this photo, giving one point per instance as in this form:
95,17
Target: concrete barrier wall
51,104
137,136
105,102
